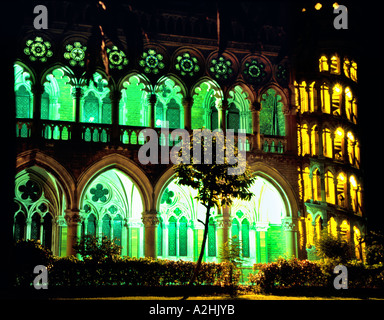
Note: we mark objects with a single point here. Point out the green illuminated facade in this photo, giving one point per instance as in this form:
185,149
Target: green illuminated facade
77,166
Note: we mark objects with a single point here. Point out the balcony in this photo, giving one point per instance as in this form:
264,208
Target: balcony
123,135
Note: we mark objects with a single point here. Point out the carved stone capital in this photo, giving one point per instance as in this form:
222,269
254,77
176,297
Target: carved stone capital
150,219
72,217
289,224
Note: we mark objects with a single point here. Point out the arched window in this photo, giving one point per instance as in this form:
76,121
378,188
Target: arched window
355,193
214,118
309,230
91,225
332,227
23,94
19,226
23,103
325,99
339,144
323,64
335,64
117,229
329,187
272,119
341,189
305,146
235,230
91,108
59,95
183,237
133,105
319,227
307,184
169,104
327,143
233,117
211,238
47,231
106,226
173,114
172,231
245,238
314,140
96,104
316,183
35,226
337,92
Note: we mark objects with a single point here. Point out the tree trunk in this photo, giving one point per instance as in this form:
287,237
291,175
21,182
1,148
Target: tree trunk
198,265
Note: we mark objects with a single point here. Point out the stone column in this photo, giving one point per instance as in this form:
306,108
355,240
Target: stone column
187,104
290,230
76,131
255,109
72,217
152,102
223,224
115,97
150,221
37,128
222,119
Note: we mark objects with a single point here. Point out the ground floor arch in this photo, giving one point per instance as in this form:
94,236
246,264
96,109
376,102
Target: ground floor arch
111,206
263,225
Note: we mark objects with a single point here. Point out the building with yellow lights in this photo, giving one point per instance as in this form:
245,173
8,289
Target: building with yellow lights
77,166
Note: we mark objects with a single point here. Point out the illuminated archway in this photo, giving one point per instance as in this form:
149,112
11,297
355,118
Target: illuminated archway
111,206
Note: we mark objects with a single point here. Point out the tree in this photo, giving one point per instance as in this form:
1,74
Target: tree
232,253
212,172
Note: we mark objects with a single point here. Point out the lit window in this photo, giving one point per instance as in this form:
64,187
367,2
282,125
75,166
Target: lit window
336,99
325,99
335,65
323,64
318,6
329,187
353,71
346,67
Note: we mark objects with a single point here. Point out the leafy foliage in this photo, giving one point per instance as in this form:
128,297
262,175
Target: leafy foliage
374,248
210,172
90,247
331,247
26,255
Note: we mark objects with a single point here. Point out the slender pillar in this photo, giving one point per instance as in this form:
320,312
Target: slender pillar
255,109
72,217
76,131
151,222
222,114
36,130
223,225
152,103
290,231
115,100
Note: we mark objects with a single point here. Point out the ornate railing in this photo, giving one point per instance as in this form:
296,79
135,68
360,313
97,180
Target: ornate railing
54,130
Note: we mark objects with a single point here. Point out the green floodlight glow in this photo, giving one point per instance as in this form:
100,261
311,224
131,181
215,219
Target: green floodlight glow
117,58
75,53
38,49
186,64
151,61
254,71
221,68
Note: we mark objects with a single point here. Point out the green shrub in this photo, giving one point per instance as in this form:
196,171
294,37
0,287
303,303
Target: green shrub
27,254
90,247
287,274
331,247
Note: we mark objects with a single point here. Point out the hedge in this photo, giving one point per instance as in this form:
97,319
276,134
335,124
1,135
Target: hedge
71,272
297,275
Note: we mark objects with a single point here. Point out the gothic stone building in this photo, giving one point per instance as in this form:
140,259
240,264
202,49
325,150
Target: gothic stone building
78,171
